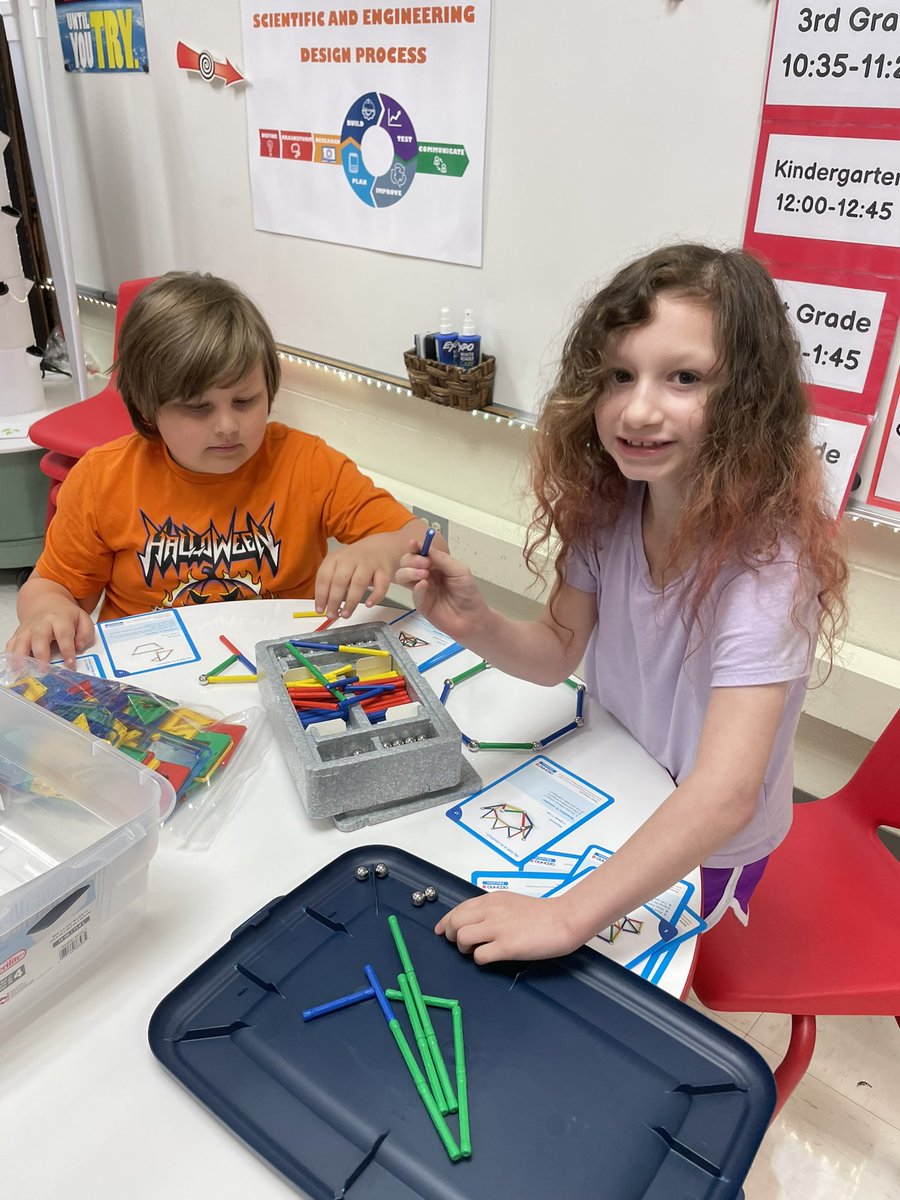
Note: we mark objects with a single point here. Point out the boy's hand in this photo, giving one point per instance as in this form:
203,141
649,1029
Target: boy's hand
502,926
443,591
58,620
346,573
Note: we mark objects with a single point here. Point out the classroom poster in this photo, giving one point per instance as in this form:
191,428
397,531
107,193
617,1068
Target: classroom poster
100,35
885,489
366,125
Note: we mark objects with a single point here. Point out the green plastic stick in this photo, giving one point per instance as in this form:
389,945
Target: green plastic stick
422,1042
431,1001
506,745
423,1012
314,671
422,1088
462,1089
222,666
476,670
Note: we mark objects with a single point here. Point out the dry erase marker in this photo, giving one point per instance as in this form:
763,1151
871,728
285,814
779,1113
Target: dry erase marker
427,540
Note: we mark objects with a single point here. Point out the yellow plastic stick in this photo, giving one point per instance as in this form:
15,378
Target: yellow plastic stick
232,679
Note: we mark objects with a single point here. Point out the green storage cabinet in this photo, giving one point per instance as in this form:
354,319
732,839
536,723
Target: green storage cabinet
23,508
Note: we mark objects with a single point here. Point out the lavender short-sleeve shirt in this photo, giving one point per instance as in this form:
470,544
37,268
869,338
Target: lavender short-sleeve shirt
654,673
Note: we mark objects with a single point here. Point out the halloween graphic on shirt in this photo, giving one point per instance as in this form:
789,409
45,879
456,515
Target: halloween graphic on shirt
210,565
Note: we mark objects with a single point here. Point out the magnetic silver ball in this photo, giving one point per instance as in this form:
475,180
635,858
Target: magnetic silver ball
362,873
418,899
431,892
381,871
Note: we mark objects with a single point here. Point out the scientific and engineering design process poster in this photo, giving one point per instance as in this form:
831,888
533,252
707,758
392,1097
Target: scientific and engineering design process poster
366,125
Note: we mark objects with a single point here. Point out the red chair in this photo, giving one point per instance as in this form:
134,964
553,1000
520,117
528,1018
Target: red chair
824,934
71,431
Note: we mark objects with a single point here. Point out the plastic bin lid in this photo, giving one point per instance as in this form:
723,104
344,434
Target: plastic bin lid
584,1081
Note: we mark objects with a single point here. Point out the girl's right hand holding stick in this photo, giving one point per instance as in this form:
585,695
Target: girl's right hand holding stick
444,592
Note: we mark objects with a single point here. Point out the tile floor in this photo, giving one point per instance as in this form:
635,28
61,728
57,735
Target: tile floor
838,1137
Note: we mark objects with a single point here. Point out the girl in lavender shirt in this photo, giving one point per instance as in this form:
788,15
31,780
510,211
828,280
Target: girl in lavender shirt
696,569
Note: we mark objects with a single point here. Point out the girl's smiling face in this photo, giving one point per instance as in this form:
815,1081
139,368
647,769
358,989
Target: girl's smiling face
651,415
219,431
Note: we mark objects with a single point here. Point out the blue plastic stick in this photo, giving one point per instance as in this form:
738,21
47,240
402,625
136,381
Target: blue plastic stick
342,1002
441,656
427,540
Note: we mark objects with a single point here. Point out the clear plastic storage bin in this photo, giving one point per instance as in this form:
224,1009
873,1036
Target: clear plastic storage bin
78,826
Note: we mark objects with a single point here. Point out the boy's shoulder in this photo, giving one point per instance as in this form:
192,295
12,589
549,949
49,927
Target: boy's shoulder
302,446
109,455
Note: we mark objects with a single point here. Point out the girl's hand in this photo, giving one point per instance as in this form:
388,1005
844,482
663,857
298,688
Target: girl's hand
443,590
504,925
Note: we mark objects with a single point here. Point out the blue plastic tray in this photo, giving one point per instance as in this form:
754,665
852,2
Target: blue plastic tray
584,1081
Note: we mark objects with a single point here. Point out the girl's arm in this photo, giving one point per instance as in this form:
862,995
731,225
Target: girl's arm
543,651
714,802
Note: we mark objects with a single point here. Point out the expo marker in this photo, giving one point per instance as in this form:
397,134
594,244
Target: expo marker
413,1067
423,1011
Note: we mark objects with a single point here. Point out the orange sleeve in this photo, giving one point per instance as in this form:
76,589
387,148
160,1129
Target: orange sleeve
75,554
354,507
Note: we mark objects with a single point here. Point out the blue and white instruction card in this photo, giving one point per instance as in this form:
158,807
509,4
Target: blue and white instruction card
525,811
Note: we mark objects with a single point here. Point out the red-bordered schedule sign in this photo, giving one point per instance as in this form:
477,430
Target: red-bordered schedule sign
839,440
885,487
827,195
835,61
846,325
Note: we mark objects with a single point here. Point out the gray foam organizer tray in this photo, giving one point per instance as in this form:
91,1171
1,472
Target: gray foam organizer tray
353,776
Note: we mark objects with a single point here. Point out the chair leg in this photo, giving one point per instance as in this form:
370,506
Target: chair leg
793,1066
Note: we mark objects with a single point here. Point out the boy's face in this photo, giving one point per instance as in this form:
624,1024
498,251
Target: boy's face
219,431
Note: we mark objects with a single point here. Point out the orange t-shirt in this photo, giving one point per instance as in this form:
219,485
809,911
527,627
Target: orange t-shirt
133,523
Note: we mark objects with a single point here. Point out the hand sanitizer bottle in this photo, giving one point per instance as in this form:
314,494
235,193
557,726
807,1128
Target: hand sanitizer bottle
445,339
469,343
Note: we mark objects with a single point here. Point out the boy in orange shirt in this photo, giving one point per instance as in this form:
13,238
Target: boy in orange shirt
207,500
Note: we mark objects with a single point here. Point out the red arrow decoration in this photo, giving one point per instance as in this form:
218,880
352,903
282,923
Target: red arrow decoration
208,67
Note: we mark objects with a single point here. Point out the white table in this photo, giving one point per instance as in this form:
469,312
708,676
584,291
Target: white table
86,1111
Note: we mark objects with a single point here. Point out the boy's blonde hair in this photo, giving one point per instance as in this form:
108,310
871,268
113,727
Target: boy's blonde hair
185,333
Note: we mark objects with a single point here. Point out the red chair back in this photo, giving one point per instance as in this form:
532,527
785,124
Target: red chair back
873,794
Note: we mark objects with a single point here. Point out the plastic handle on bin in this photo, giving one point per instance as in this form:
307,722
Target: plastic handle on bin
258,917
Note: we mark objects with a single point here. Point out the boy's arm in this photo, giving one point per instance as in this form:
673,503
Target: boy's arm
370,562
545,651
711,805
48,613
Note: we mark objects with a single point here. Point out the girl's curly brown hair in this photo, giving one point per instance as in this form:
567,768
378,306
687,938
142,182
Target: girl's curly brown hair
755,478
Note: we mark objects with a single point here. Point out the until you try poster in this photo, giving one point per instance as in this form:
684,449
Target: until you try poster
366,125
101,35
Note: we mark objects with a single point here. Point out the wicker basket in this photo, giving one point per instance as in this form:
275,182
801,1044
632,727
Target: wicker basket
449,385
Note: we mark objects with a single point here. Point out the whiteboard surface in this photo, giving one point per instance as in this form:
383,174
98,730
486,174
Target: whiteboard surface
612,127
